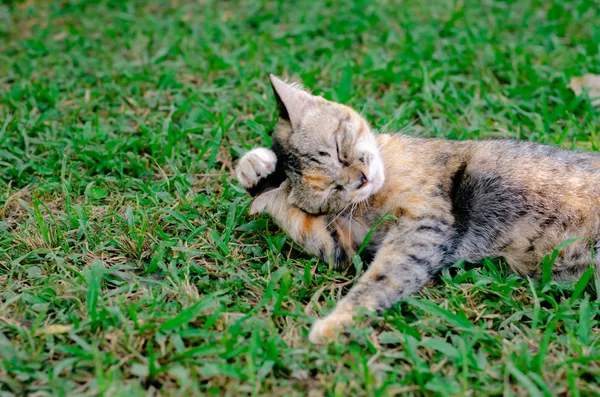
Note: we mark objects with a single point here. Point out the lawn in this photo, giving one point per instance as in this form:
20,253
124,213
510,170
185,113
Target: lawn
129,264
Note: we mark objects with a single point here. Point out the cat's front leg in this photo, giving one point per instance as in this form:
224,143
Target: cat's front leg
410,256
320,235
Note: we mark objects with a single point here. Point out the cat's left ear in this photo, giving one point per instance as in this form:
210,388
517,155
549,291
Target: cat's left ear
292,100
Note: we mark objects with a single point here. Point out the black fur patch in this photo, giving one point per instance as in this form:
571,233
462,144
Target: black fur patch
550,220
430,228
420,261
287,163
272,181
380,277
314,159
281,109
484,205
339,255
290,162
457,180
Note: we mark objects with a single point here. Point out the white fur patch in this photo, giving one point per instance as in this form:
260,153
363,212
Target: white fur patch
254,165
376,170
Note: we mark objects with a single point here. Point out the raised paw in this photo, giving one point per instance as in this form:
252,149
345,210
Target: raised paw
255,165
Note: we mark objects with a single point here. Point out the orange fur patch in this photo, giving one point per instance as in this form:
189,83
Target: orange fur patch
316,179
307,223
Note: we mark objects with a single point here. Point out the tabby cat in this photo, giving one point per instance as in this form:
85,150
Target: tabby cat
328,179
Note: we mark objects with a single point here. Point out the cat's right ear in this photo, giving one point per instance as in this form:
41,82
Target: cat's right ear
292,101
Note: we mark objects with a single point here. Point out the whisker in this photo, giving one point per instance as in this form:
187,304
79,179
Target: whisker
350,225
367,204
337,216
321,233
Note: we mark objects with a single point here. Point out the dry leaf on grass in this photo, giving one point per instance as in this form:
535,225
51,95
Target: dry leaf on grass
54,329
589,81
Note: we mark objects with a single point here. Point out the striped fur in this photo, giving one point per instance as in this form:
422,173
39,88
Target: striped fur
452,200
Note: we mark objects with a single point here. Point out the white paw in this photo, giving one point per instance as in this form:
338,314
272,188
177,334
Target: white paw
255,165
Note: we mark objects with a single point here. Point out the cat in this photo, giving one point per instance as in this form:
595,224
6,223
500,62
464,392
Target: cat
328,179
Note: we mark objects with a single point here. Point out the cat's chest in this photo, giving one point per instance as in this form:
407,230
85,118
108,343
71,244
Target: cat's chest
368,227
393,208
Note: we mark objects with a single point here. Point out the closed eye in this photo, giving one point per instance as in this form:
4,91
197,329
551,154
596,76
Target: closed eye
324,154
337,148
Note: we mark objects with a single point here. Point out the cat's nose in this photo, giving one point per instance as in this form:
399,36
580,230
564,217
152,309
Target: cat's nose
363,179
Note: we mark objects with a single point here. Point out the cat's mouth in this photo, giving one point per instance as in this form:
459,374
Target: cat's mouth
374,183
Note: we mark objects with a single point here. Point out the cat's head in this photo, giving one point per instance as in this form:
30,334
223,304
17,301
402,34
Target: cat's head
329,152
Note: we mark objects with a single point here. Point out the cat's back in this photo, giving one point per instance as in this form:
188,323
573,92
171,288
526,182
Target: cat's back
532,156
503,173
539,172
548,173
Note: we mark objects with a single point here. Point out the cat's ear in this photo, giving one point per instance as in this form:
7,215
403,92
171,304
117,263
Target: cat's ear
292,100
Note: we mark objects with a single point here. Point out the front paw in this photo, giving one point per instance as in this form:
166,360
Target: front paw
329,328
254,166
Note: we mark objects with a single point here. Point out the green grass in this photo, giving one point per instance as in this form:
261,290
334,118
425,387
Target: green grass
128,261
